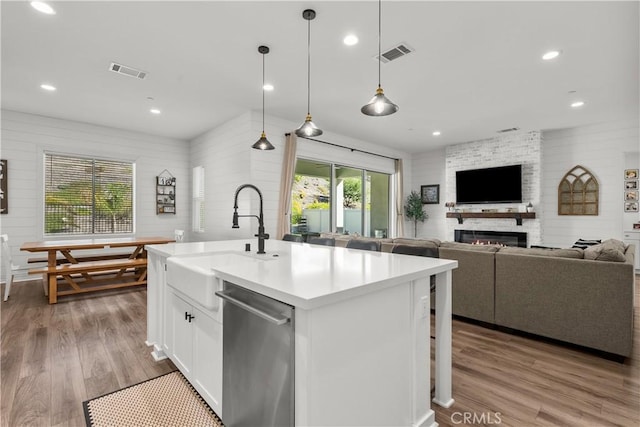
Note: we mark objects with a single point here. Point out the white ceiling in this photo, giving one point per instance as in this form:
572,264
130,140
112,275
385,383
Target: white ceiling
476,68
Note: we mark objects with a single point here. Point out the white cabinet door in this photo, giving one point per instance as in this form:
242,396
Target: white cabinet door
180,337
207,359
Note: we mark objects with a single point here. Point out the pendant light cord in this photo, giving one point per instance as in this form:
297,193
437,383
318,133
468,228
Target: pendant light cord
263,93
309,67
379,37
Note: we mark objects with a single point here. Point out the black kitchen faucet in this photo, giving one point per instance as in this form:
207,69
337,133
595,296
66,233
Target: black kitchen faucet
262,236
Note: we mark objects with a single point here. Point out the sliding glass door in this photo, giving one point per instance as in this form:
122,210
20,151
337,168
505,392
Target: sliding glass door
335,198
378,206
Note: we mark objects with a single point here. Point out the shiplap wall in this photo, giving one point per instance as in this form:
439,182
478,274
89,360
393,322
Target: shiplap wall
25,138
229,161
606,149
602,149
428,169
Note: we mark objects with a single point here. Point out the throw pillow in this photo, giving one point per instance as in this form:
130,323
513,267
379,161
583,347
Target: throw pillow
609,250
584,243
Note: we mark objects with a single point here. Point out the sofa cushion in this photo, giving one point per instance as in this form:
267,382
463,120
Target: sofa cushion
559,253
469,247
609,250
416,242
584,243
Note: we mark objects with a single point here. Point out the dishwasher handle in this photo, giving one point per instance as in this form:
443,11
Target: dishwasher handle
277,319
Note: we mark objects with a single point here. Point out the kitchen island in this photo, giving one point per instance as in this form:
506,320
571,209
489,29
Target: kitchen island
361,325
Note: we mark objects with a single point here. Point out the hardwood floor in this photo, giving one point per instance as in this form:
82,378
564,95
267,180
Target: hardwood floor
53,357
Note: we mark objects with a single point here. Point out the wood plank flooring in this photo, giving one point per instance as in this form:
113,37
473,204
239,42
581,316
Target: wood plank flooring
53,357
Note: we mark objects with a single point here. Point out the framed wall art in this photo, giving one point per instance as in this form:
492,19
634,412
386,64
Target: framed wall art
630,174
631,207
430,194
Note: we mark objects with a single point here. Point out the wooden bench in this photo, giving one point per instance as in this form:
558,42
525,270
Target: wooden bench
94,276
96,257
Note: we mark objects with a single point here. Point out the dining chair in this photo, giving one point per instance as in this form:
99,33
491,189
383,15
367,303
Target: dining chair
325,241
178,235
415,250
7,266
366,245
418,251
293,238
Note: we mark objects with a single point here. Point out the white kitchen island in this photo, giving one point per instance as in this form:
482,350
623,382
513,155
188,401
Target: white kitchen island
362,326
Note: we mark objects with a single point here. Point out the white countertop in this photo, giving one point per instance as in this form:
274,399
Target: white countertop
303,275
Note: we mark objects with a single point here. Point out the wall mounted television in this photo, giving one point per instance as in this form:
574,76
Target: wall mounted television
489,185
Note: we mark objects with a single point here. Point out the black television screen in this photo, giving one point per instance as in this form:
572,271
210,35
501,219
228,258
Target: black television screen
491,185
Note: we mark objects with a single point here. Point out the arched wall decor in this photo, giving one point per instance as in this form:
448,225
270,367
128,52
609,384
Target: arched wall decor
578,193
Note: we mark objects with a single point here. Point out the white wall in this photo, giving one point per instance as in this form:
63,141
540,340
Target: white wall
429,168
229,161
604,149
25,138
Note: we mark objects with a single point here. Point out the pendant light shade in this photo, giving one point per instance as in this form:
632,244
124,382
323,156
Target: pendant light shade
263,143
308,128
379,105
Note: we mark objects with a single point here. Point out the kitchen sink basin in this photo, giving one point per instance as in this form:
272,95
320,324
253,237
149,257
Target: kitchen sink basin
195,276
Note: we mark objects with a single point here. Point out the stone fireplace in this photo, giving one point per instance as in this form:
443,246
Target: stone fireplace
485,237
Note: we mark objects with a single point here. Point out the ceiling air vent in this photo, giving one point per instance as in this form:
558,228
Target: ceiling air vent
508,130
127,71
394,53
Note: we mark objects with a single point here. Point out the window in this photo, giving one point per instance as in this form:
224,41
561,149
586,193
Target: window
198,200
331,197
87,196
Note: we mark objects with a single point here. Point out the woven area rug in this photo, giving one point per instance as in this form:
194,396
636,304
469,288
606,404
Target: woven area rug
168,400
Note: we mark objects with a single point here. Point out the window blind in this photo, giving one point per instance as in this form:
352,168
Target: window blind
198,200
87,196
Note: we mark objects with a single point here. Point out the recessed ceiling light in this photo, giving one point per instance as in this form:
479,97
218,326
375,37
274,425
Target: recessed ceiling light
350,40
436,133
154,111
551,55
268,87
41,6
577,104
48,87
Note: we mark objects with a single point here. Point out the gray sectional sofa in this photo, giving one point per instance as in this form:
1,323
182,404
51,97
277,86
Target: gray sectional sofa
554,293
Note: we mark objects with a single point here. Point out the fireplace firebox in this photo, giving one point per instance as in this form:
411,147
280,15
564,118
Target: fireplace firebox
483,237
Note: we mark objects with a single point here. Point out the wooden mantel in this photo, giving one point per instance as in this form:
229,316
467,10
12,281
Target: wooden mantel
518,216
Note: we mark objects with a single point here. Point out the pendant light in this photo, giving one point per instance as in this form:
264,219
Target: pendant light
379,105
308,128
263,143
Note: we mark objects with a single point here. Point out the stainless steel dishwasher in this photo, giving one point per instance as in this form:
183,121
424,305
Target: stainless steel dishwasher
258,359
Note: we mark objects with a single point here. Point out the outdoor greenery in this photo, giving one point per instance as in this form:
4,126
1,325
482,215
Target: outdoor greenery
352,188
413,210
72,206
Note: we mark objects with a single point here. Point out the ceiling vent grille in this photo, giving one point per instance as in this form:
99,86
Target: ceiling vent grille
127,71
394,53
508,130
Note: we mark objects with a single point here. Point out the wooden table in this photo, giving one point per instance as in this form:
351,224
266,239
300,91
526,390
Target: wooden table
82,273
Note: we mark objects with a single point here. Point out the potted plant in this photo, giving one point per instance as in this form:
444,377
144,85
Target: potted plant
414,211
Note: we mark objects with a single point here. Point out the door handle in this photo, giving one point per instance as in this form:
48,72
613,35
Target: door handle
277,319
